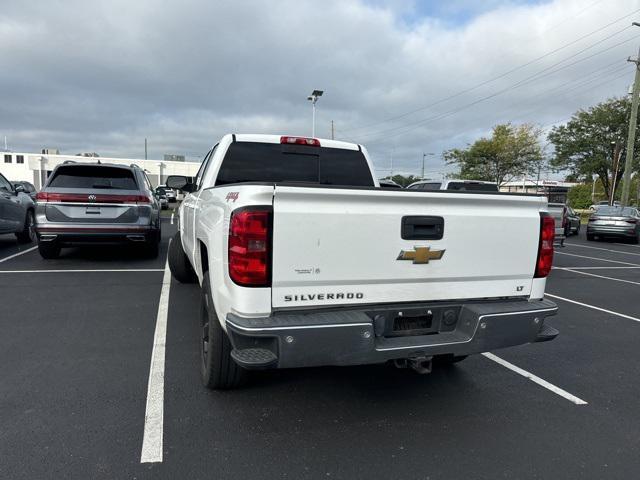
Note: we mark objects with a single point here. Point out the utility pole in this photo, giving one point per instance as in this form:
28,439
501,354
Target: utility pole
616,166
332,132
423,157
631,139
145,148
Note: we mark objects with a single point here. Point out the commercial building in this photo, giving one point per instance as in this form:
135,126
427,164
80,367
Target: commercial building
555,190
36,167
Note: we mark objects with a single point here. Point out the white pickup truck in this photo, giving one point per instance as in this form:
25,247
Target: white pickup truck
304,261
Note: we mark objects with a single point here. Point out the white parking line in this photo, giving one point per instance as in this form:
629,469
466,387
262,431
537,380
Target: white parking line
18,254
154,413
600,248
627,245
596,258
87,271
172,215
593,307
598,276
535,379
595,268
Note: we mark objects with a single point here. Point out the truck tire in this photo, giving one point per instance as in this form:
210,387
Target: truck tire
49,250
179,264
28,234
217,368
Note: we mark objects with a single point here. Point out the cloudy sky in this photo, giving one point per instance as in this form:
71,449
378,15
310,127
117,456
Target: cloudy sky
402,77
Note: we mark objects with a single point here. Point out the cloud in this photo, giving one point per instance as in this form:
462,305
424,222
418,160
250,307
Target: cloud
102,76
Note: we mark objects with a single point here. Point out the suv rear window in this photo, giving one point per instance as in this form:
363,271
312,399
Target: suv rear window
273,162
93,177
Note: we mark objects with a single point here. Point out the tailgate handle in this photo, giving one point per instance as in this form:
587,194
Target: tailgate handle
422,228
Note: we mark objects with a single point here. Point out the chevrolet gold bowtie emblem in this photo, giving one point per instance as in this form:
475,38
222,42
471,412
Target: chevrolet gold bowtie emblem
420,254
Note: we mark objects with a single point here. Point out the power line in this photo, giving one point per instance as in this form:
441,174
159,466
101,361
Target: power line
412,126
502,75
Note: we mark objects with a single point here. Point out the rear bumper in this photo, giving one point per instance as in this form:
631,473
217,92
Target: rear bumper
612,230
354,337
77,236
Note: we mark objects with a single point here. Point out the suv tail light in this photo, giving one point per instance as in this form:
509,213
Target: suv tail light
250,247
545,247
84,198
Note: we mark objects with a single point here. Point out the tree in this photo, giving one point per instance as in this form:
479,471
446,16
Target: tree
589,143
511,151
580,196
402,180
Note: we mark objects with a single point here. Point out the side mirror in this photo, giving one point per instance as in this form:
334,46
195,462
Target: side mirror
180,182
19,189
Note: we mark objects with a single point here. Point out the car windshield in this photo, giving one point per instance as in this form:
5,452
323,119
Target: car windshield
616,211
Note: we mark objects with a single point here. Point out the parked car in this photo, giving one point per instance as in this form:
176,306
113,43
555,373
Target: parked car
17,211
28,188
304,261
162,199
559,213
455,185
170,194
603,203
386,183
94,203
573,222
617,222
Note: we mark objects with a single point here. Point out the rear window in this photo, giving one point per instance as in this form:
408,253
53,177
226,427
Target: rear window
273,162
93,177
473,187
617,211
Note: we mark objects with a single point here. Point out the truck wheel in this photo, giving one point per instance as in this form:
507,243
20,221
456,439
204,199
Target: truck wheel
179,264
217,368
49,250
28,234
448,359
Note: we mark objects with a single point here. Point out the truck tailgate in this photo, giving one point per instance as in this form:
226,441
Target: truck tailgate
346,246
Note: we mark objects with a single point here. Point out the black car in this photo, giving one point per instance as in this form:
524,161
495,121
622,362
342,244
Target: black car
389,184
573,222
619,222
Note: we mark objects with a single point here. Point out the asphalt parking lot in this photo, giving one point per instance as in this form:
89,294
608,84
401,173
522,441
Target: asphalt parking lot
76,343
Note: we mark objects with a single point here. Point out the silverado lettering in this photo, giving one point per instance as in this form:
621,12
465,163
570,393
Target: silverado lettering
322,296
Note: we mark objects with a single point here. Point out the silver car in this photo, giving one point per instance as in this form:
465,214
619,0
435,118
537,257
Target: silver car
16,211
621,222
93,203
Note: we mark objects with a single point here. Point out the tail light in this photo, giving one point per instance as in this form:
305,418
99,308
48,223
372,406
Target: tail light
545,247
250,247
85,198
312,142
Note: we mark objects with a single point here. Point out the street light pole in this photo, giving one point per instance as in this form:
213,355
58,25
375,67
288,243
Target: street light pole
313,98
631,138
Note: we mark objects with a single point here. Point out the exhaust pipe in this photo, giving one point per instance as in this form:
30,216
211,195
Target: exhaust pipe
136,238
47,237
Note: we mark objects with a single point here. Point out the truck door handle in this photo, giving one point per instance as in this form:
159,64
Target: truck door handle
422,228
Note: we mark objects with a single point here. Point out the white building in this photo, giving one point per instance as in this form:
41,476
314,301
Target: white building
35,167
